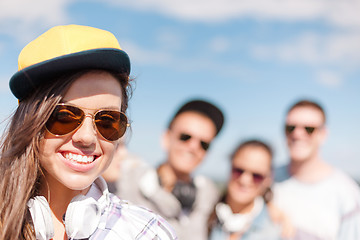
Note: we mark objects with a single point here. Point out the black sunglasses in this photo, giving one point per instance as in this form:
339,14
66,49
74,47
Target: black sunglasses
290,128
65,119
185,137
238,172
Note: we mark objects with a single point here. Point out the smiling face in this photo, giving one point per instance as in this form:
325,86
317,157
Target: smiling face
75,160
252,165
305,145
185,141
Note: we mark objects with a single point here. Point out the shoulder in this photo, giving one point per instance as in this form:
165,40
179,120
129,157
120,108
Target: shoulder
205,186
341,178
347,190
203,182
207,195
122,218
281,173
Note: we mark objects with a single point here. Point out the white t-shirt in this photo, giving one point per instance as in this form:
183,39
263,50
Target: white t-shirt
328,209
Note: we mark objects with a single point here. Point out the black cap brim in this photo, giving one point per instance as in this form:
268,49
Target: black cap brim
27,80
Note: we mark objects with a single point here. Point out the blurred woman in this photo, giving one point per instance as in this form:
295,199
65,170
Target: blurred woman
242,212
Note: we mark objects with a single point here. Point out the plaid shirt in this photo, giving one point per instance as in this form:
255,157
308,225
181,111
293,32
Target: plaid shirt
123,220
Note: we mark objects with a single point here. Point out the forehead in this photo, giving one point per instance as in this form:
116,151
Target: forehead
253,158
195,124
305,116
94,88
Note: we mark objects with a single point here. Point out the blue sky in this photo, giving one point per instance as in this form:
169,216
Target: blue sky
251,58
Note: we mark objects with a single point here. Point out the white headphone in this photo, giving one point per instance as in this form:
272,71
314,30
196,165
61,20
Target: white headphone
81,218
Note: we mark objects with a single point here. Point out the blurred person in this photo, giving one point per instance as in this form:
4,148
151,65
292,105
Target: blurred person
73,89
123,165
320,200
242,212
171,189
112,173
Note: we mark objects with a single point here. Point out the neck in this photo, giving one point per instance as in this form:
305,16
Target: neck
310,170
183,176
58,197
241,208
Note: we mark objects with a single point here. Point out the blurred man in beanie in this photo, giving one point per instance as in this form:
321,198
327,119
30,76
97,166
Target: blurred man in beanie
184,200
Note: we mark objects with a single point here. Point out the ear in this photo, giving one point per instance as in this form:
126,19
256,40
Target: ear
267,182
165,140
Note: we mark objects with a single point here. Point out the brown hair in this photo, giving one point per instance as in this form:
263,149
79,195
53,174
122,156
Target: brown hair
19,161
310,104
253,143
213,220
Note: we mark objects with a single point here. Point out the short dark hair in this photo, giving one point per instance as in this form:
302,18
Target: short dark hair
253,143
205,108
308,103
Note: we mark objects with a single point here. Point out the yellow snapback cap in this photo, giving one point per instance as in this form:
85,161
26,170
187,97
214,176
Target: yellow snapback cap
66,48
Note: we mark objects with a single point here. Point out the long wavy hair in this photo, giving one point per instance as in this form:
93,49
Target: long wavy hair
20,168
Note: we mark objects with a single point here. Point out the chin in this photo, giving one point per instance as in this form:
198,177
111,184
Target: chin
78,183
298,158
243,200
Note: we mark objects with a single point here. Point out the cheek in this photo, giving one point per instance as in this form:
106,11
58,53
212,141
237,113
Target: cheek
49,145
108,149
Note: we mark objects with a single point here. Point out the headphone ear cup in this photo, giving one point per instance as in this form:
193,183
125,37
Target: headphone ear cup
41,216
82,217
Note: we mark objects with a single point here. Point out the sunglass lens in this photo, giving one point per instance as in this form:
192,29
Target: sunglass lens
289,128
184,137
237,172
111,124
309,130
204,145
64,119
258,178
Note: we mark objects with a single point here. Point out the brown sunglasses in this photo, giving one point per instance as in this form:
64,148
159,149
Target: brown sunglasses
65,119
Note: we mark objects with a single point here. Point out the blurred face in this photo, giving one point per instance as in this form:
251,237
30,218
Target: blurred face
250,175
73,161
187,140
112,173
304,133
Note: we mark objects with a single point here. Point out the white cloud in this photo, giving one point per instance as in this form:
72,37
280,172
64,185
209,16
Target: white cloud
23,19
146,56
341,13
162,57
219,44
341,49
4,83
329,78
169,39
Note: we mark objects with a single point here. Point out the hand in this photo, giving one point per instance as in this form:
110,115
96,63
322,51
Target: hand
167,177
279,217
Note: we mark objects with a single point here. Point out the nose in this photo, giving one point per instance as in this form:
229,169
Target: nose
299,131
194,144
245,178
86,134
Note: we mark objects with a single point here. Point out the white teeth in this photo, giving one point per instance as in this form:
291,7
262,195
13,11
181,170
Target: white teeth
79,158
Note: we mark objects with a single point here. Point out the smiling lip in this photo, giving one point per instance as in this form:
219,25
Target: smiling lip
78,162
